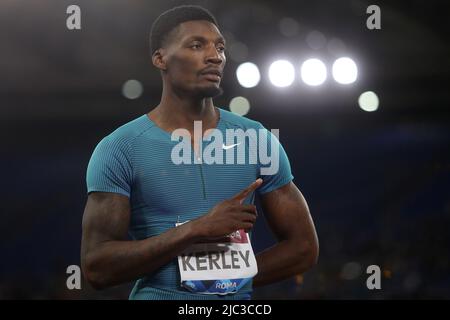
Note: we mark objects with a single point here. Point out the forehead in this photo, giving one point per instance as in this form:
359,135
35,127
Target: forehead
200,28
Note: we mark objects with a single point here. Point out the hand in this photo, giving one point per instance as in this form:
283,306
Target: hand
229,215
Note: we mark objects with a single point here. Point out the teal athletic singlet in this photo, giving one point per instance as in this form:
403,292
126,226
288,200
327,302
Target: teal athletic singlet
135,161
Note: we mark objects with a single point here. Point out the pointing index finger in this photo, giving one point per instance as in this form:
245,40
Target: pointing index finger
244,193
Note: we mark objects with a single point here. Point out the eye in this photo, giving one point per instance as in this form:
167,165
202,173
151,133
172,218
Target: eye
221,48
196,46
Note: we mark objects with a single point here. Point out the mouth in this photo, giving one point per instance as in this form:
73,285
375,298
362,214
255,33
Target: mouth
211,77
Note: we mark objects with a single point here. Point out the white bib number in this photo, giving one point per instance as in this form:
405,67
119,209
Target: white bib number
221,266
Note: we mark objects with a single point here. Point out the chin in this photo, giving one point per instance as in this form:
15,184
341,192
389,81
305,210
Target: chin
211,92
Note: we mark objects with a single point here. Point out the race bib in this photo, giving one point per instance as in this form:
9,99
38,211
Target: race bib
221,266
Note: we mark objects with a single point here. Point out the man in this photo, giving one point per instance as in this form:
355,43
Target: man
188,222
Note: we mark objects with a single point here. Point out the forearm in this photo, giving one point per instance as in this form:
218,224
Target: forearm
114,262
283,260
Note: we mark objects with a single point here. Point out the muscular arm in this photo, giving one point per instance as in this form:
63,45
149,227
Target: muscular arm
297,249
108,258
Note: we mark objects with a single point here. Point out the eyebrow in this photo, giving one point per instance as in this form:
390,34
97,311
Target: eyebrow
203,39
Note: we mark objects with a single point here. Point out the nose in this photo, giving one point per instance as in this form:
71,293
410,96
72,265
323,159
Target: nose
213,55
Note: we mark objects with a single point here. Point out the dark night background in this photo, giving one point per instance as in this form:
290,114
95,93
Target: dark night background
377,183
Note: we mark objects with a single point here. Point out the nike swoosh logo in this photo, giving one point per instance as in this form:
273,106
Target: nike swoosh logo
230,146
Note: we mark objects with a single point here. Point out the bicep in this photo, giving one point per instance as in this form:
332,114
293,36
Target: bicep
106,217
287,212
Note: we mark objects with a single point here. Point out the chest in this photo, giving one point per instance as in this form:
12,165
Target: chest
179,186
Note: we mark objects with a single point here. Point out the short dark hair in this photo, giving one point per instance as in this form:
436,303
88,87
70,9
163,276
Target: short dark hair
170,19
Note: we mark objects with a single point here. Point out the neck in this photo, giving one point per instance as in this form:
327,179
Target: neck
180,111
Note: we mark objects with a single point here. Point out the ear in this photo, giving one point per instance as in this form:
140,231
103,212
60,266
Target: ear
159,59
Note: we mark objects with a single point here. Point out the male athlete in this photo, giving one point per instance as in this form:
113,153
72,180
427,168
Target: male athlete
181,230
